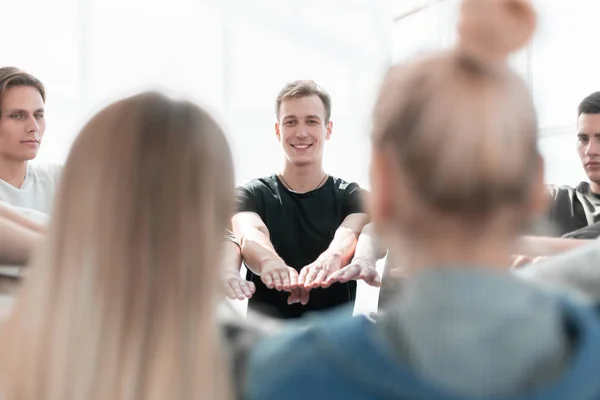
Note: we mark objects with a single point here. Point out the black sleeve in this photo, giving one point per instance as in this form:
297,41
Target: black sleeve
353,200
588,232
246,199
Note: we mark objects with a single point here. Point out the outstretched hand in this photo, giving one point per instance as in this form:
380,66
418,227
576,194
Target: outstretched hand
277,275
237,287
317,274
360,268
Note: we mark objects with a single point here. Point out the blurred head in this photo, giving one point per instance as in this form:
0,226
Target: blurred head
303,125
454,139
588,136
22,122
121,303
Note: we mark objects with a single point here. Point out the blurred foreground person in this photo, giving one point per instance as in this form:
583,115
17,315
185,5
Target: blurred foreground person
456,176
121,301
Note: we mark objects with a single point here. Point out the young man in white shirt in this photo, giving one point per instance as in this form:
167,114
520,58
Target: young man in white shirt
28,188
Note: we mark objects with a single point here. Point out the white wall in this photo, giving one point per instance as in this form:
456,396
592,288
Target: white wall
561,66
233,56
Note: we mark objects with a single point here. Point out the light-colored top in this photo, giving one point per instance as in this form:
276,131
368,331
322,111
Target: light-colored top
35,197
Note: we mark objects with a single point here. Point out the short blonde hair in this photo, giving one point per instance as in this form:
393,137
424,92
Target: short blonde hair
460,124
303,88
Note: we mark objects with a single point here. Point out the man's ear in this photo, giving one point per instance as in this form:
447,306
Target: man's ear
277,132
329,130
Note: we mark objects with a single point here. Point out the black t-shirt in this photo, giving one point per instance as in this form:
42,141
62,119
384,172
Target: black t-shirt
301,226
575,212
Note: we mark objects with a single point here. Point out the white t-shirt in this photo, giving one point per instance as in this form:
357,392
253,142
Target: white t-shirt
35,197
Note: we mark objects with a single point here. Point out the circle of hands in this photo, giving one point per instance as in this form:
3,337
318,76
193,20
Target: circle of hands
322,273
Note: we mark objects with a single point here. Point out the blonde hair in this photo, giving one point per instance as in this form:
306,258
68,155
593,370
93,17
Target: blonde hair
303,88
121,303
460,124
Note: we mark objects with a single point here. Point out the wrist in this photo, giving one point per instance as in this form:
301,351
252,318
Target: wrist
334,254
369,260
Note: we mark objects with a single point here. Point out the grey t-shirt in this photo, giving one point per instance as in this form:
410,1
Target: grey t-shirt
573,210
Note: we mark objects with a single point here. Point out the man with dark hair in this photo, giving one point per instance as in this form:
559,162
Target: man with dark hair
298,229
574,211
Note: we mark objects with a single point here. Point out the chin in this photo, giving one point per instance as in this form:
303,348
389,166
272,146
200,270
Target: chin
28,157
594,178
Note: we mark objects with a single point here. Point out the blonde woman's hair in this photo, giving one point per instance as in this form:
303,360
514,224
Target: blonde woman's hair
460,124
121,303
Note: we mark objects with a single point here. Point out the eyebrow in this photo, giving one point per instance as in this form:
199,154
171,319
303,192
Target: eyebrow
597,134
12,110
313,116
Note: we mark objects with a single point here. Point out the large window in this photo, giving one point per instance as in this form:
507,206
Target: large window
560,66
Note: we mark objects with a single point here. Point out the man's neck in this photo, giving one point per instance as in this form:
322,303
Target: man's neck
13,172
595,187
303,178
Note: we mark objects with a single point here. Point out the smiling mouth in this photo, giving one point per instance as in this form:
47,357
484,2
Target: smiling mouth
301,146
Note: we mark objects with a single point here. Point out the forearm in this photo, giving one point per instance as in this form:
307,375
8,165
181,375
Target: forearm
10,214
232,258
343,245
368,246
258,251
17,242
346,236
534,246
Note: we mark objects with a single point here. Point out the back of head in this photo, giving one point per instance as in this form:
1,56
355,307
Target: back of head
460,126
120,305
12,77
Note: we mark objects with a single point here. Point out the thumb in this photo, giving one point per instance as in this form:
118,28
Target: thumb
371,277
375,281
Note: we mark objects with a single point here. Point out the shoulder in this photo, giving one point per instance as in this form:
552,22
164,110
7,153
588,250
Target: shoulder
345,186
267,183
45,170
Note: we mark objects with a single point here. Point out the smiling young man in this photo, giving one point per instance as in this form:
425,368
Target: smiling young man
298,228
28,188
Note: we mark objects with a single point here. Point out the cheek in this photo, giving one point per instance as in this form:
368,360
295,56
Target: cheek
580,149
7,132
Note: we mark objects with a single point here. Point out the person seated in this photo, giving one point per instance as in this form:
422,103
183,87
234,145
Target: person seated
299,227
574,209
120,303
28,187
455,175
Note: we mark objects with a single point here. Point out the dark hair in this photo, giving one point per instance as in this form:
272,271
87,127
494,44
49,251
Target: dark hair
303,88
12,76
589,105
